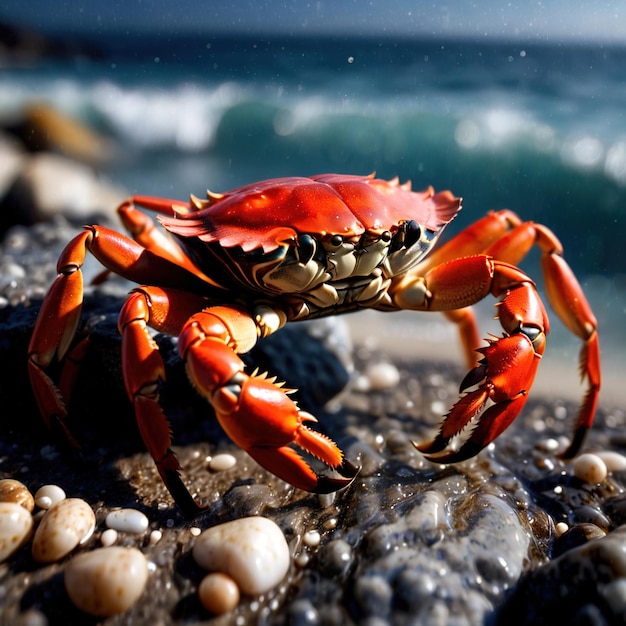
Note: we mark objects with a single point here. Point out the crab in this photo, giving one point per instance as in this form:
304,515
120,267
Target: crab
233,268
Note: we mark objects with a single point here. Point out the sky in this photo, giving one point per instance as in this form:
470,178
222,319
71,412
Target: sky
566,20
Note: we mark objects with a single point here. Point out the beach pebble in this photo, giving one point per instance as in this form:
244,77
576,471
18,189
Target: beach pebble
222,462
15,491
311,538
382,375
155,537
48,495
108,537
65,525
127,521
106,581
218,593
16,525
590,468
252,550
614,461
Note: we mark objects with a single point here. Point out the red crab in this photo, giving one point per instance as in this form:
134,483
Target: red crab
238,266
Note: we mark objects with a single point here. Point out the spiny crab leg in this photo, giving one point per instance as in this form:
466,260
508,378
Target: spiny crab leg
497,388
255,411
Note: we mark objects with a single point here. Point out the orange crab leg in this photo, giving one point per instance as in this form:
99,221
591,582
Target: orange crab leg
504,237
60,311
568,301
506,372
145,232
144,373
255,412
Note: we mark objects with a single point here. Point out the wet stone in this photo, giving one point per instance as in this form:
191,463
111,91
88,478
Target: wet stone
16,524
576,536
65,525
251,550
107,581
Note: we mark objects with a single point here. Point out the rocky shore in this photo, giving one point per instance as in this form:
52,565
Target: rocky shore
515,535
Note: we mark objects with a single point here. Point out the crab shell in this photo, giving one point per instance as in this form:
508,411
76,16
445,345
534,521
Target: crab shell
293,235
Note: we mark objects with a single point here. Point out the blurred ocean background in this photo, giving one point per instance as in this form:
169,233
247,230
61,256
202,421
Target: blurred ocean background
533,127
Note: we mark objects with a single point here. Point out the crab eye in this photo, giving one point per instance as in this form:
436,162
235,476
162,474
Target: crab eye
412,233
306,248
386,236
336,240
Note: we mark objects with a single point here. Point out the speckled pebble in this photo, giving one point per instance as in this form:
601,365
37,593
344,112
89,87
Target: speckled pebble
48,495
65,525
107,581
590,468
218,593
127,521
252,550
16,525
222,462
14,491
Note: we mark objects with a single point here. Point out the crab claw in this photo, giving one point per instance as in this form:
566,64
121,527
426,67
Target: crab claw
259,416
503,376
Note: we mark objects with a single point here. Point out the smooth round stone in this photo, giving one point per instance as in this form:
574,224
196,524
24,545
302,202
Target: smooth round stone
252,550
590,468
312,538
218,593
49,495
127,521
16,526
15,491
107,581
108,537
222,462
382,375
65,525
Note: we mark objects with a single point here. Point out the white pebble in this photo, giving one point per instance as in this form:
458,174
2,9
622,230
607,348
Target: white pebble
48,495
218,593
16,526
222,462
107,581
614,461
252,550
155,537
312,538
127,521
15,491
561,528
382,375
65,525
108,537
590,468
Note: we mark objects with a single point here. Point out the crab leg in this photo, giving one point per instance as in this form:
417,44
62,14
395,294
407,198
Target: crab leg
59,315
506,372
255,412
